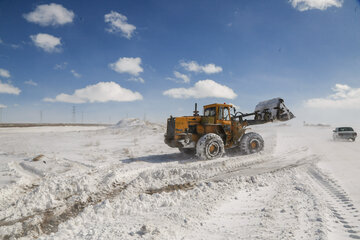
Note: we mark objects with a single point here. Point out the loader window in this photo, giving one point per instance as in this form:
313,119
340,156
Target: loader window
221,110
224,114
210,112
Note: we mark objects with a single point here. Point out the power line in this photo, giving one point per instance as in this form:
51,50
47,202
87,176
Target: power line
73,114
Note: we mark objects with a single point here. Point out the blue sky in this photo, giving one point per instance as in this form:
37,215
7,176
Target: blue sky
155,58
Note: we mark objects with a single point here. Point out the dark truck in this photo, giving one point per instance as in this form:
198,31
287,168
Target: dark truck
346,133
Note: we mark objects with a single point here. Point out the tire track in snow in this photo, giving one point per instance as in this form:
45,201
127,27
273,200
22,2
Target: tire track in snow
342,206
28,181
288,160
247,171
51,218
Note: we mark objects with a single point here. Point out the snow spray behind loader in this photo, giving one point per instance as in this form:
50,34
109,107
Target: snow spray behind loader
209,135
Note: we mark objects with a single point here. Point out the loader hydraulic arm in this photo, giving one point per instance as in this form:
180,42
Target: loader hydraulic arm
241,118
266,111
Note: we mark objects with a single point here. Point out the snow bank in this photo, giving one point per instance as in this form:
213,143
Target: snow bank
135,123
130,122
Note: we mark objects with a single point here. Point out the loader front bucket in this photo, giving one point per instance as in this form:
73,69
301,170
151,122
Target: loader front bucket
272,110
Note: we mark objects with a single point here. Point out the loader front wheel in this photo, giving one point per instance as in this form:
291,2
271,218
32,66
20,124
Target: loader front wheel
251,143
210,146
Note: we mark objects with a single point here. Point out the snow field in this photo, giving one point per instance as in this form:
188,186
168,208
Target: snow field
123,182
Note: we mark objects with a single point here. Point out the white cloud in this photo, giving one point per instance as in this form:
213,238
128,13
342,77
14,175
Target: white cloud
118,23
304,5
202,89
47,42
127,65
60,66
9,89
3,106
14,46
137,79
344,97
4,73
100,92
193,66
50,14
181,76
77,75
31,82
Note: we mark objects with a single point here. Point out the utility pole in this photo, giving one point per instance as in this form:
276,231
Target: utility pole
73,114
41,116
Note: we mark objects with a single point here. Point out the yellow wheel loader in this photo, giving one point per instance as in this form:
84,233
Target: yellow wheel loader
217,129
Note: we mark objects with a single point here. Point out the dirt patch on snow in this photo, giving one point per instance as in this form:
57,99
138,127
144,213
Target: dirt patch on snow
171,188
48,221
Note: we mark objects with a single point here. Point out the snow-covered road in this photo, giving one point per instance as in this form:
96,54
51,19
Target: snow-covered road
123,182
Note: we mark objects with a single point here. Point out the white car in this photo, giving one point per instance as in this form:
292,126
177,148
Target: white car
347,133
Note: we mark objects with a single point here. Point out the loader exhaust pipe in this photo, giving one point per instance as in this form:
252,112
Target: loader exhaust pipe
196,112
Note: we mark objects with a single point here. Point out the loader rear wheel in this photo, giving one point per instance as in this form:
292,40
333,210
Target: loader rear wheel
251,143
210,146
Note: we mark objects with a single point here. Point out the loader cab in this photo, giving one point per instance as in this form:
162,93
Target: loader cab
217,114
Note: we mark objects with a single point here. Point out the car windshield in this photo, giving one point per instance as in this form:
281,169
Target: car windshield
344,129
